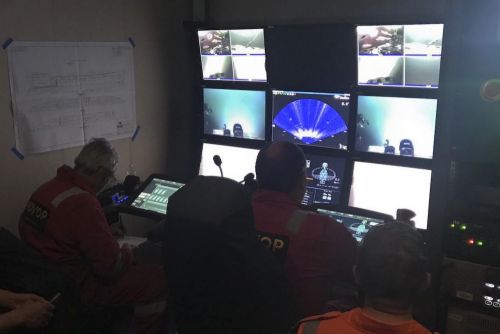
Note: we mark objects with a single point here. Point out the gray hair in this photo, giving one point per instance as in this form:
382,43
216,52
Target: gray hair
98,152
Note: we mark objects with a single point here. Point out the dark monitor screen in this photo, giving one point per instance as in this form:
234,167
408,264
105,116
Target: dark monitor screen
233,54
316,119
324,177
234,113
400,55
395,125
316,58
386,188
357,225
154,194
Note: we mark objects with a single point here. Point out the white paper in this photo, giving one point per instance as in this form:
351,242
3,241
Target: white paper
64,94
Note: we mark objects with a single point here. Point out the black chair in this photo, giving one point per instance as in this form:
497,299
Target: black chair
406,148
221,279
238,130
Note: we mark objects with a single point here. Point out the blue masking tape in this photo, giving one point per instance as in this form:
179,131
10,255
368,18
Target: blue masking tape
6,44
136,132
131,41
18,154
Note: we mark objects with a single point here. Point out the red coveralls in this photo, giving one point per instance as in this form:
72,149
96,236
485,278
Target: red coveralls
317,251
64,221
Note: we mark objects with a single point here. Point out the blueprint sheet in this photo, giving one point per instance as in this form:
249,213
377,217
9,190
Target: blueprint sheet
64,94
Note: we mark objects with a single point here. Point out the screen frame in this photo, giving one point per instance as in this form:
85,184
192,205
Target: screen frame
230,81
408,164
128,208
378,87
230,140
348,119
406,161
343,188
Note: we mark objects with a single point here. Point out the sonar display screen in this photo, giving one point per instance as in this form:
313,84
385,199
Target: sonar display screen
316,119
400,55
234,113
155,195
324,177
233,54
356,224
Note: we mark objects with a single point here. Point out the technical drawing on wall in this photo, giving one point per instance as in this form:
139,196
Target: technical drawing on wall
64,93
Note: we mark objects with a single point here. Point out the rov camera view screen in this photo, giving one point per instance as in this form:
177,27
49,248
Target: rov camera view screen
316,119
234,113
400,55
395,125
233,54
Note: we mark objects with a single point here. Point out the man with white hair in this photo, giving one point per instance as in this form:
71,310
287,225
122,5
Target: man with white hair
64,221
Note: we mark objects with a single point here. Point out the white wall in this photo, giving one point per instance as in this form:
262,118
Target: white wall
156,27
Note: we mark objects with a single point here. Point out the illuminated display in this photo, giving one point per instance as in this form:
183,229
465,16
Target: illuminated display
400,55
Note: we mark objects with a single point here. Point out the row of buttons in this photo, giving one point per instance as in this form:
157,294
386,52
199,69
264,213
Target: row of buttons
489,301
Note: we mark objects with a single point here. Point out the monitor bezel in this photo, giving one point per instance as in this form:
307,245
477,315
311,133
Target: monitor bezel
348,119
128,208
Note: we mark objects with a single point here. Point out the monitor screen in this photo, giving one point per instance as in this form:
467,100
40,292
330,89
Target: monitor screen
324,177
316,119
356,224
236,161
233,54
316,58
234,113
395,125
155,194
400,55
385,188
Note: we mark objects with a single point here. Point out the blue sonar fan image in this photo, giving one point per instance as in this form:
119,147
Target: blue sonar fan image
310,120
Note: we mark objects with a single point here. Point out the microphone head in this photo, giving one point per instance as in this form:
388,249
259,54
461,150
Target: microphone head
249,177
217,160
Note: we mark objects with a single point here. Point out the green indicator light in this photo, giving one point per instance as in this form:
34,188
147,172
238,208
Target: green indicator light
479,243
463,227
452,225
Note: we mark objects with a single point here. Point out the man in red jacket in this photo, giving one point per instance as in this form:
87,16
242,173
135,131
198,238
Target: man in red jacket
64,221
317,252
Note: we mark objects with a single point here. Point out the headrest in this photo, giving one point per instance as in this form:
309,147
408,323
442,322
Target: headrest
208,199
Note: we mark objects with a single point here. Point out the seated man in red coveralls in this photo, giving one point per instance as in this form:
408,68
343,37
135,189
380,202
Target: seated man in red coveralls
391,273
317,251
64,221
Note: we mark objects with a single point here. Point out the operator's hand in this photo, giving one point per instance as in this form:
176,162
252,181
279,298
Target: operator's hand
33,314
14,300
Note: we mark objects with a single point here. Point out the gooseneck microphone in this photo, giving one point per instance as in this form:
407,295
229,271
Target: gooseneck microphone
218,163
248,178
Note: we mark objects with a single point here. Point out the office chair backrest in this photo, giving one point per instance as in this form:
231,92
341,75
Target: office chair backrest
222,280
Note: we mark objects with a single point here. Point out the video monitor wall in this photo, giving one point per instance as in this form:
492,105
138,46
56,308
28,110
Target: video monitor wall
236,161
234,113
315,119
386,188
400,55
367,132
396,125
233,54
324,177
